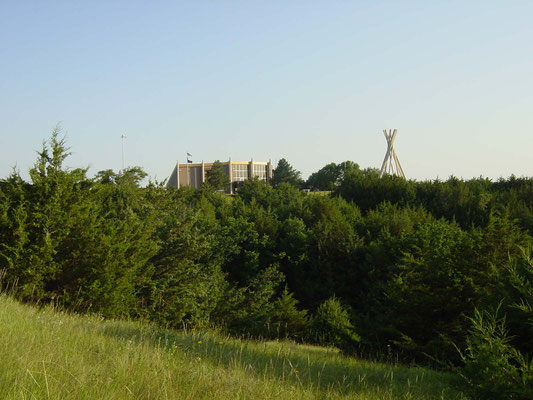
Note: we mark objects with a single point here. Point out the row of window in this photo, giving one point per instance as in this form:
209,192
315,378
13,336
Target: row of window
260,171
240,171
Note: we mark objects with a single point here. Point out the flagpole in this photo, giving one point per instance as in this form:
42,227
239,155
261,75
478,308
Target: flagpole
123,137
188,162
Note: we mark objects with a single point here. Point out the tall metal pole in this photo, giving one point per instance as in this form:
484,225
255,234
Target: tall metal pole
123,137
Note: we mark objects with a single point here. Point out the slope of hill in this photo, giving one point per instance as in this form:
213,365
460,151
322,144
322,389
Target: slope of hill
46,354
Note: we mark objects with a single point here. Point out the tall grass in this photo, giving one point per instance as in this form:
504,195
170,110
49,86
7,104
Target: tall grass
47,354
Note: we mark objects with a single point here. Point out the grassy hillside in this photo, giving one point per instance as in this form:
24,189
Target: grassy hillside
45,354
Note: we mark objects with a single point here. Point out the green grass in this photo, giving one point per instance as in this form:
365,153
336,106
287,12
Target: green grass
46,354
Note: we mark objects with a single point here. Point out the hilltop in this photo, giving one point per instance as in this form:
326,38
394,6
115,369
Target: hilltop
47,354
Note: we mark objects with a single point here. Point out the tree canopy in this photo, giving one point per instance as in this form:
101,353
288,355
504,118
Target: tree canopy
216,177
330,176
380,262
285,173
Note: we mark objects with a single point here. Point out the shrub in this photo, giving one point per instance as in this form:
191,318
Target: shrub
493,368
286,318
331,326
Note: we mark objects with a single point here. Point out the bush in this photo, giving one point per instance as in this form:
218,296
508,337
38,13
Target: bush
493,368
331,326
286,318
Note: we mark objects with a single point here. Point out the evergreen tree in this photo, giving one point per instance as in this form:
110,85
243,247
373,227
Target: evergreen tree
75,239
289,321
332,326
216,177
285,172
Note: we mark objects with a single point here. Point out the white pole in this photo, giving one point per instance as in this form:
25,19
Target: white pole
391,163
383,166
123,137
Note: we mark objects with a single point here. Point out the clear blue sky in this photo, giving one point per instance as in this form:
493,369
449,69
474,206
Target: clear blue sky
311,81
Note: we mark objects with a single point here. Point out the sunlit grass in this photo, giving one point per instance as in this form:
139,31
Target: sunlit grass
45,354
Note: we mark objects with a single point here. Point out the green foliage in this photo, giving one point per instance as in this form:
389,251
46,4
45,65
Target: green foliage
114,257
105,245
466,202
521,278
324,179
496,358
434,277
184,281
286,318
330,176
368,190
332,326
411,261
493,368
216,177
257,190
331,263
249,309
520,311
72,239
285,173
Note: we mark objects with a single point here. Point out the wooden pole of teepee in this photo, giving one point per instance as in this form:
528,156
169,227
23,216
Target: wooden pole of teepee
391,163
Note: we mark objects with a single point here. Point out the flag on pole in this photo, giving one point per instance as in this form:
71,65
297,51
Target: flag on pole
189,155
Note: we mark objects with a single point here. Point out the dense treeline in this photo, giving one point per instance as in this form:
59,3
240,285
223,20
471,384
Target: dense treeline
382,265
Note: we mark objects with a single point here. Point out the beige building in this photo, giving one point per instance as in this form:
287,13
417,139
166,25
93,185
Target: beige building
191,174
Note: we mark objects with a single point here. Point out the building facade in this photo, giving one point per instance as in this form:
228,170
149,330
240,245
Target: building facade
193,174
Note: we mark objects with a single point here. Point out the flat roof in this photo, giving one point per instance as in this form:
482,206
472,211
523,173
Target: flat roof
224,163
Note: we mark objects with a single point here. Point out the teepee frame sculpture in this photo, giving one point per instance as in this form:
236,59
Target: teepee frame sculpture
391,165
